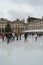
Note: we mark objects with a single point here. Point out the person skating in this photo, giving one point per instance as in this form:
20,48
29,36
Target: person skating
35,37
13,34
8,37
25,35
20,36
3,36
17,36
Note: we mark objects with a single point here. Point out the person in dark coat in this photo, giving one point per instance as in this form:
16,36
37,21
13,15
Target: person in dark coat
20,36
8,37
25,35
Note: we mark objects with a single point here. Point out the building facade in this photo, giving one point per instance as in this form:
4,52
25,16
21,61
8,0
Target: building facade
36,24
3,23
20,26
17,25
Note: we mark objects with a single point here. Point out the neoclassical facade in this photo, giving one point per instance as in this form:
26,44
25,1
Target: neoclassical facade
35,24
20,26
17,25
3,23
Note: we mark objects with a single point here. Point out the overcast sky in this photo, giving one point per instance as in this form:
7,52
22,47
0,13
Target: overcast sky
12,9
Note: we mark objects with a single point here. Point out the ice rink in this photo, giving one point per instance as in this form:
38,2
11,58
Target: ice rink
22,52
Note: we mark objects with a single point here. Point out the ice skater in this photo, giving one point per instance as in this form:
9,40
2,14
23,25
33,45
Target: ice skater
3,36
20,36
8,37
25,37
35,37
17,36
13,34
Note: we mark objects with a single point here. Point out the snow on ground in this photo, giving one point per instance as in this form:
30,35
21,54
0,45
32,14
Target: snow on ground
21,52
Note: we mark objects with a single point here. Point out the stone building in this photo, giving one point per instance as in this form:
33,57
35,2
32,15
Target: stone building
3,23
35,23
17,25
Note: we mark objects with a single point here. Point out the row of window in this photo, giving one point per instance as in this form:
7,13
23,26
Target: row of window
18,29
17,25
36,25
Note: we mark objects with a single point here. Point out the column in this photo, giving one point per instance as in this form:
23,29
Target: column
1,30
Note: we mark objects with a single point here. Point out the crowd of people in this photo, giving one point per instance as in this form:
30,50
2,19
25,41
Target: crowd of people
11,36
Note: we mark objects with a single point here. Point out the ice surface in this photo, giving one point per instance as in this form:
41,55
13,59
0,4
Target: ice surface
21,52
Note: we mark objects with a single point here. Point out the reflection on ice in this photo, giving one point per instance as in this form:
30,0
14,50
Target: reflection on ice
22,53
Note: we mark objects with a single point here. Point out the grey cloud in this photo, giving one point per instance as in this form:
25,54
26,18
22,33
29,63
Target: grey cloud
16,14
34,2
30,7
30,2
1,14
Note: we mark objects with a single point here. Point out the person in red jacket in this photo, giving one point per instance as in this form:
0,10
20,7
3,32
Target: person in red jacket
3,36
